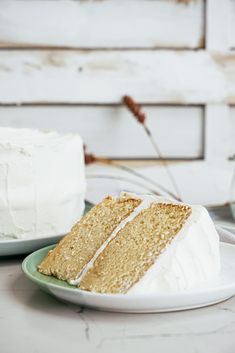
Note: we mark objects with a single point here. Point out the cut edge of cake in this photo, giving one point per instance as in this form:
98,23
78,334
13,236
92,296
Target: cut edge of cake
68,259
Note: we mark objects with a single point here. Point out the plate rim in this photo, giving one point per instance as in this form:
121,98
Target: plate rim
25,240
160,295
225,224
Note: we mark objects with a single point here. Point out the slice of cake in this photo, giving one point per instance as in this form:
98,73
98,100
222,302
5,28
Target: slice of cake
75,250
137,244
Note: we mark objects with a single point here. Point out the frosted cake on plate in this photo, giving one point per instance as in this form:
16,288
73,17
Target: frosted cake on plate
42,183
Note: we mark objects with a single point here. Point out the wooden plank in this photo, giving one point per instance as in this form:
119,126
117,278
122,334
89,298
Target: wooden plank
199,182
218,16
102,24
113,132
62,76
232,132
217,133
232,25
226,65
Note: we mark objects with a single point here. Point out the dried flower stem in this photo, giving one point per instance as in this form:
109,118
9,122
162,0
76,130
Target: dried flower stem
120,178
91,158
186,2
135,109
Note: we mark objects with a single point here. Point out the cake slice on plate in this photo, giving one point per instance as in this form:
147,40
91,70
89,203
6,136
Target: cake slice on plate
75,250
137,244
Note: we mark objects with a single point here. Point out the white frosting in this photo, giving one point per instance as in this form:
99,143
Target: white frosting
42,182
192,257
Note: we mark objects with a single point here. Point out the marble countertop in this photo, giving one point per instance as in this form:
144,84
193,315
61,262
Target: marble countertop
33,321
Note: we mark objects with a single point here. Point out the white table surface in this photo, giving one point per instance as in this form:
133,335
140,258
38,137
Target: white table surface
33,321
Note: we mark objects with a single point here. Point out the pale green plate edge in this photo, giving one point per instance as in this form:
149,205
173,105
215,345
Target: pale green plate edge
29,267
30,263
48,283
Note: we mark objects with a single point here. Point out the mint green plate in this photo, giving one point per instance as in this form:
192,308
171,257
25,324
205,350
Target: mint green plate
210,293
29,267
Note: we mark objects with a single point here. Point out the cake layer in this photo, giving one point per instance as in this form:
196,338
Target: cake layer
134,249
72,254
42,182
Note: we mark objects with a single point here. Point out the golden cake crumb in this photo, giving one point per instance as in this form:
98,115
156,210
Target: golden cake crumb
78,247
135,248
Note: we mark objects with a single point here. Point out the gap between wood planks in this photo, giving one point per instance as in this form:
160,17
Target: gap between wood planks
5,46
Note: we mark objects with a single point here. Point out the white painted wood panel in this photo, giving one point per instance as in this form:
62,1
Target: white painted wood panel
105,76
232,131
119,42
218,23
217,133
199,182
107,23
232,24
113,132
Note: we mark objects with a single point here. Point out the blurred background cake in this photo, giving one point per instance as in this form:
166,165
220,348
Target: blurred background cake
42,182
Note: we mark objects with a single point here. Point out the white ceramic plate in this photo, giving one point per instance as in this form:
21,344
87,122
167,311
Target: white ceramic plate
211,293
222,216
227,225
25,246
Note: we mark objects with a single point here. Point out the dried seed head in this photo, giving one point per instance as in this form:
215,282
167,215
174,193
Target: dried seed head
134,108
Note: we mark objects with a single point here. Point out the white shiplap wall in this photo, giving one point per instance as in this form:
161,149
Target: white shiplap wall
106,126
66,65
101,24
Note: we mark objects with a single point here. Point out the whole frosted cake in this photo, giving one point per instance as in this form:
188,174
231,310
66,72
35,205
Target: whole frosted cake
42,182
137,244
